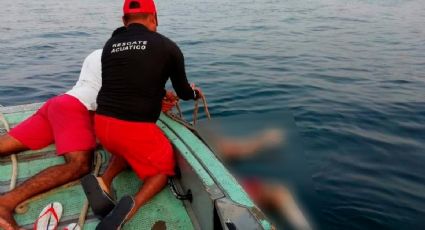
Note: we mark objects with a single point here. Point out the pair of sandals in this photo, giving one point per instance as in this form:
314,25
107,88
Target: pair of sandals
112,214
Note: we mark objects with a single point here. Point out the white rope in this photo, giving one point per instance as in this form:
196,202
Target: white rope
14,175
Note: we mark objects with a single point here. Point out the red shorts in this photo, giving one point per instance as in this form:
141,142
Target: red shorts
62,120
141,144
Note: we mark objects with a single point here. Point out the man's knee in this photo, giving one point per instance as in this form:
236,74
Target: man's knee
80,162
9,145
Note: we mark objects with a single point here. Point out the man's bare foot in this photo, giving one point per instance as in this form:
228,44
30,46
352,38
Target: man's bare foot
104,186
6,219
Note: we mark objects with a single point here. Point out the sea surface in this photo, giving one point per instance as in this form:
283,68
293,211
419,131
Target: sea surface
352,73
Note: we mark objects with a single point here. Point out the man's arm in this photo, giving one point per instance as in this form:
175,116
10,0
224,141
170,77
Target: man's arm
178,76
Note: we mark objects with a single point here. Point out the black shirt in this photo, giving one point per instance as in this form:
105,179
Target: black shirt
136,64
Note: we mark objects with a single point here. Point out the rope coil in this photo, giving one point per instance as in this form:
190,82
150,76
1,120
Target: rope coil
196,108
14,174
176,103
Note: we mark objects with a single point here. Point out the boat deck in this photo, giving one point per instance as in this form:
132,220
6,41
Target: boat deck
162,209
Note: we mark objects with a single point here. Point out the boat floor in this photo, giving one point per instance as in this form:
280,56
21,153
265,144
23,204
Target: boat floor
163,207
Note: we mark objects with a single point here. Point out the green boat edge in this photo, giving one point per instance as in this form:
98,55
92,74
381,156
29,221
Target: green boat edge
218,199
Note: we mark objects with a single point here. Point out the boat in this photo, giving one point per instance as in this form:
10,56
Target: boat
202,195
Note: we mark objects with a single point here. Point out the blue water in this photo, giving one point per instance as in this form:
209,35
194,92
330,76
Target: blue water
351,71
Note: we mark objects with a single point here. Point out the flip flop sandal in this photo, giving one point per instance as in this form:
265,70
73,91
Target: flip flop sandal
49,217
117,217
100,201
72,226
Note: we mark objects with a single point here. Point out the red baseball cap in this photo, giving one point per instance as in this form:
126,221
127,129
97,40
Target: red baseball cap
139,6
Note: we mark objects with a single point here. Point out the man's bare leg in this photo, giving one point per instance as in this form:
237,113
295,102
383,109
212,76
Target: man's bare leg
9,145
116,165
77,164
151,186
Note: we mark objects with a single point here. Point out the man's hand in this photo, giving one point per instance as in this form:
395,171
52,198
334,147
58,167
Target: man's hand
197,91
169,101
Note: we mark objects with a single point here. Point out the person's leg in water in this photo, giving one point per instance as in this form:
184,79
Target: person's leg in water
231,148
276,198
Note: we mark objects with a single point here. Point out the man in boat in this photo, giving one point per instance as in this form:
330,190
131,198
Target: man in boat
268,195
136,63
64,120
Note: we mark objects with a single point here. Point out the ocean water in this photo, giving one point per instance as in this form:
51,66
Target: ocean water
352,72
